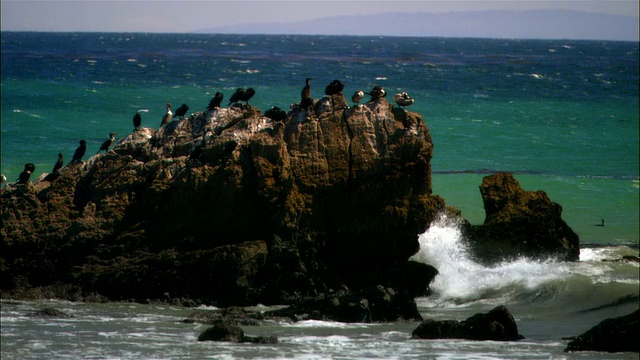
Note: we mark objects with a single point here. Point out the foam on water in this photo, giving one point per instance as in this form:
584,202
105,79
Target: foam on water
461,279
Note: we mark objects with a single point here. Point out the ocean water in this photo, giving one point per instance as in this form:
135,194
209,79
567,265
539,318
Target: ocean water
561,115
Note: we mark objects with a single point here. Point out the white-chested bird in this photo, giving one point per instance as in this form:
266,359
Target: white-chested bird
166,118
403,99
105,145
376,93
357,97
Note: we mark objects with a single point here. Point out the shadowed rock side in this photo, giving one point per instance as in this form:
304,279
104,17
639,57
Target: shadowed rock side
611,335
520,223
498,325
267,211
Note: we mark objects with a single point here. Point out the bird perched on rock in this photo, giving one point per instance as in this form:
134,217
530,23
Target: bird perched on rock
105,145
137,121
215,102
182,110
377,93
26,174
55,173
235,97
248,94
275,113
335,87
305,95
166,118
79,153
58,165
357,97
403,99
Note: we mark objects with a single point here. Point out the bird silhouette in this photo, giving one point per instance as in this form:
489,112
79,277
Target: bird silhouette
137,121
55,173
275,113
80,151
215,102
58,164
105,145
335,87
24,176
235,97
182,110
248,94
305,95
166,118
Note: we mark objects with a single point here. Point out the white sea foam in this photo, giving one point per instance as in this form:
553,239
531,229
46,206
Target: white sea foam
461,278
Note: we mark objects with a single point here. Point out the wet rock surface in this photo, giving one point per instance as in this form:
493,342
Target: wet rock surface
611,335
264,211
498,324
520,223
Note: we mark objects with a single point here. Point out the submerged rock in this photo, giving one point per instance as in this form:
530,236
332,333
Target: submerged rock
520,223
498,324
619,334
223,331
49,312
374,304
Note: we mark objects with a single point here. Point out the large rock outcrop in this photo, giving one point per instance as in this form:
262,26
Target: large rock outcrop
231,207
520,223
611,335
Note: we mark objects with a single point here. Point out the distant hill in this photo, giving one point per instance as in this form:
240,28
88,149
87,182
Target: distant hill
531,24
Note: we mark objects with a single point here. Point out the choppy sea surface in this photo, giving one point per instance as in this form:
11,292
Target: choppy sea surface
561,115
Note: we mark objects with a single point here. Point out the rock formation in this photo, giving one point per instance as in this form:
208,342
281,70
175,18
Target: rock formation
611,335
520,223
231,207
498,324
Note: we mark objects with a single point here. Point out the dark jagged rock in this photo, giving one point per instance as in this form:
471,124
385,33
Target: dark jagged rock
520,223
49,312
497,324
271,211
611,335
232,315
224,331
374,304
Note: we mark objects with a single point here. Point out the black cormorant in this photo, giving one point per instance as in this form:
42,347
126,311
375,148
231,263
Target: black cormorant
58,164
137,121
248,94
335,87
275,113
24,177
166,118
305,95
215,102
182,110
236,96
105,145
77,156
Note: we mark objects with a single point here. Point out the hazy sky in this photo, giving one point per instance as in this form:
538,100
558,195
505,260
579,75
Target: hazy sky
188,15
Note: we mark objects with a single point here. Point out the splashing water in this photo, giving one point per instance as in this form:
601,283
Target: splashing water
460,279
